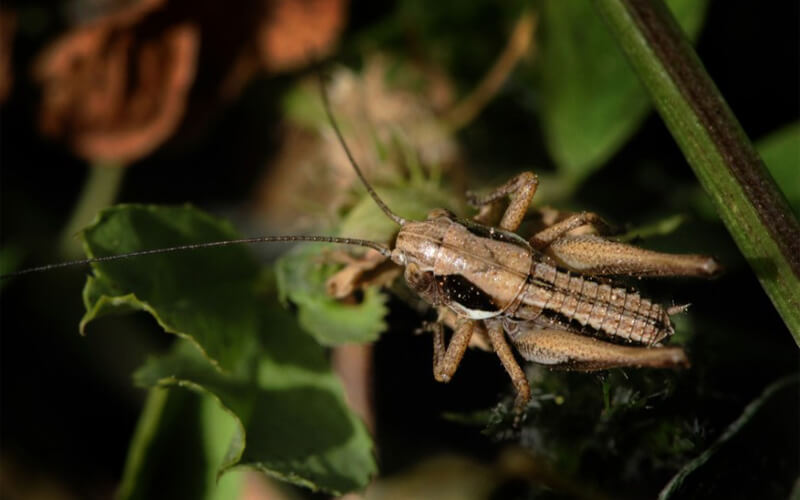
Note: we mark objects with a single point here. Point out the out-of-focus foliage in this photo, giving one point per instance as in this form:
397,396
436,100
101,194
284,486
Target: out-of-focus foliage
592,101
388,114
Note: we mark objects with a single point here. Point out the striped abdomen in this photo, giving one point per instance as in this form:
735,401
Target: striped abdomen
559,300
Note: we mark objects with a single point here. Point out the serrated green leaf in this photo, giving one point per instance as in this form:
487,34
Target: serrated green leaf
302,274
781,153
205,296
288,414
592,101
284,412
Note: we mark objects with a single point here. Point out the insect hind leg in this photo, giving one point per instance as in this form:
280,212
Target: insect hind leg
562,349
590,254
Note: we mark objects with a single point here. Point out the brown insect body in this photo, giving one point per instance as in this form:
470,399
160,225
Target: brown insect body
482,272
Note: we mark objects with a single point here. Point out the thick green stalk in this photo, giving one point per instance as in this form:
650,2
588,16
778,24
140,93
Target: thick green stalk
729,169
143,438
99,191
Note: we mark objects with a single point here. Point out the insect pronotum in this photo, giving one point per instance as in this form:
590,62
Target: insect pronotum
550,295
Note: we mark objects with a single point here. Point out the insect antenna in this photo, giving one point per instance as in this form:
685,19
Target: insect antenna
385,251
326,103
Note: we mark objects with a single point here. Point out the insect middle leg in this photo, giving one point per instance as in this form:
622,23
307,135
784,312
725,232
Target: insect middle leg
520,188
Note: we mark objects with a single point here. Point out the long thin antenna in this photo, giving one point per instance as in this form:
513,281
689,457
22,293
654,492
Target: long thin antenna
385,251
399,220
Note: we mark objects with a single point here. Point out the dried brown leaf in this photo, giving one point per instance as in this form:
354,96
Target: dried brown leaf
116,88
296,32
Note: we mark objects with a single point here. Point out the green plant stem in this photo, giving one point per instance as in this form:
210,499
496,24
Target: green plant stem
749,202
143,438
99,191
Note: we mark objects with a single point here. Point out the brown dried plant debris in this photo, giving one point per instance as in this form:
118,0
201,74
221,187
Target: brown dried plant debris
288,35
372,269
116,88
312,177
8,24
295,32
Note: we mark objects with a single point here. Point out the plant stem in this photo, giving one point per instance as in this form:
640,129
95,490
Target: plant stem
729,169
99,191
143,438
519,44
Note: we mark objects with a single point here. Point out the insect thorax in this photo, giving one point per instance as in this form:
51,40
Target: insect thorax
476,271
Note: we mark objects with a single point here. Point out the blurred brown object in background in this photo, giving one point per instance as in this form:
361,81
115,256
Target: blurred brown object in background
8,25
116,88
296,31
390,102
288,35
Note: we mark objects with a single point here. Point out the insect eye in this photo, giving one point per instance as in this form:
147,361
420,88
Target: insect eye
421,281
412,274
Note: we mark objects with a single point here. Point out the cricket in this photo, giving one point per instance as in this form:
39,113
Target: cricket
554,298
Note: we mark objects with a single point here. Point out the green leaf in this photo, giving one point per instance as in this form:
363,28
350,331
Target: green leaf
301,276
412,201
781,153
205,296
278,406
288,415
302,273
592,101
659,227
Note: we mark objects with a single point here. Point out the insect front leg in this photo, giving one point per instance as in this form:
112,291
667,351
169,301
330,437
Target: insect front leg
590,254
446,360
558,348
518,378
520,188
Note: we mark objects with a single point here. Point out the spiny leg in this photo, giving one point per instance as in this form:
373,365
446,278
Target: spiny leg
518,378
545,237
520,188
446,361
590,254
563,349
